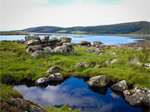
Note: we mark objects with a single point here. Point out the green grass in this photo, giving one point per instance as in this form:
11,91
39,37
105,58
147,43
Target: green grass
64,108
62,31
7,92
19,65
79,32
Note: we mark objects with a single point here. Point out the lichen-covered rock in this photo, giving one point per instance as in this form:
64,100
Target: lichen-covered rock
45,39
120,86
106,63
97,43
134,60
82,65
90,50
33,48
21,105
37,53
98,51
146,98
134,97
68,44
115,61
85,43
98,81
33,42
41,81
61,49
48,49
54,69
55,77
65,39
32,36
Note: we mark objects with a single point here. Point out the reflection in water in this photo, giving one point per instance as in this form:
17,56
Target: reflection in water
76,94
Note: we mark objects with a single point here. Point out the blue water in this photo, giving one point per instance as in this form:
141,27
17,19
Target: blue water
76,38
76,94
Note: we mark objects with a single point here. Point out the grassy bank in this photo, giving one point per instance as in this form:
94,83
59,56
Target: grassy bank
19,65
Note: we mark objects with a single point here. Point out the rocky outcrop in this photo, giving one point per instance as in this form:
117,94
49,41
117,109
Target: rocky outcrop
98,51
37,46
115,61
54,69
120,86
37,53
97,43
20,105
41,81
91,50
146,98
134,97
85,43
55,77
98,81
65,39
82,65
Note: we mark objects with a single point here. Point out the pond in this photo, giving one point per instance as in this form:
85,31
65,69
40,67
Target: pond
76,94
76,38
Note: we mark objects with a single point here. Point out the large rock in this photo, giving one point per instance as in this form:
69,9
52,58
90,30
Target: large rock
98,51
61,49
45,39
65,40
20,105
85,43
91,50
55,77
97,43
82,65
41,81
48,49
98,81
54,69
115,61
146,98
134,97
120,86
68,44
37,53
32,36
33,42
134,60
33,48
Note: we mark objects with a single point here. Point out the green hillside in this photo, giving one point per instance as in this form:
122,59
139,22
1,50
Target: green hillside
141,27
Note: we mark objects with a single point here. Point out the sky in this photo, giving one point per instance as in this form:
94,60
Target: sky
21,14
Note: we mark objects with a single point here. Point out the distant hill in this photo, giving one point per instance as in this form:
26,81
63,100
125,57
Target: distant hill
141,27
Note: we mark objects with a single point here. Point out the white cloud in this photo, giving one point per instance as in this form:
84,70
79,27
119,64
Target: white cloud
28,13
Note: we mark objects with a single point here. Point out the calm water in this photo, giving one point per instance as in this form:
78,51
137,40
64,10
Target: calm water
76,94
107,40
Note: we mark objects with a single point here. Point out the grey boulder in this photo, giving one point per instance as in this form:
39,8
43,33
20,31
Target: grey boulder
120,86
98,81
48,49
134,97
65,39
37,53
54,69
82,65
55,77
146,98
41,81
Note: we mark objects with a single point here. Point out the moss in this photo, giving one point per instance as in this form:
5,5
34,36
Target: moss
19,65
7,92
64,108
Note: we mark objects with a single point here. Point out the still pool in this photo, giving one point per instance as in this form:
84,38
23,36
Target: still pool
76,94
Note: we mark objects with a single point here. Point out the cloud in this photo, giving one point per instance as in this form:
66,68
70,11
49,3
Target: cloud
60,95
16,15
